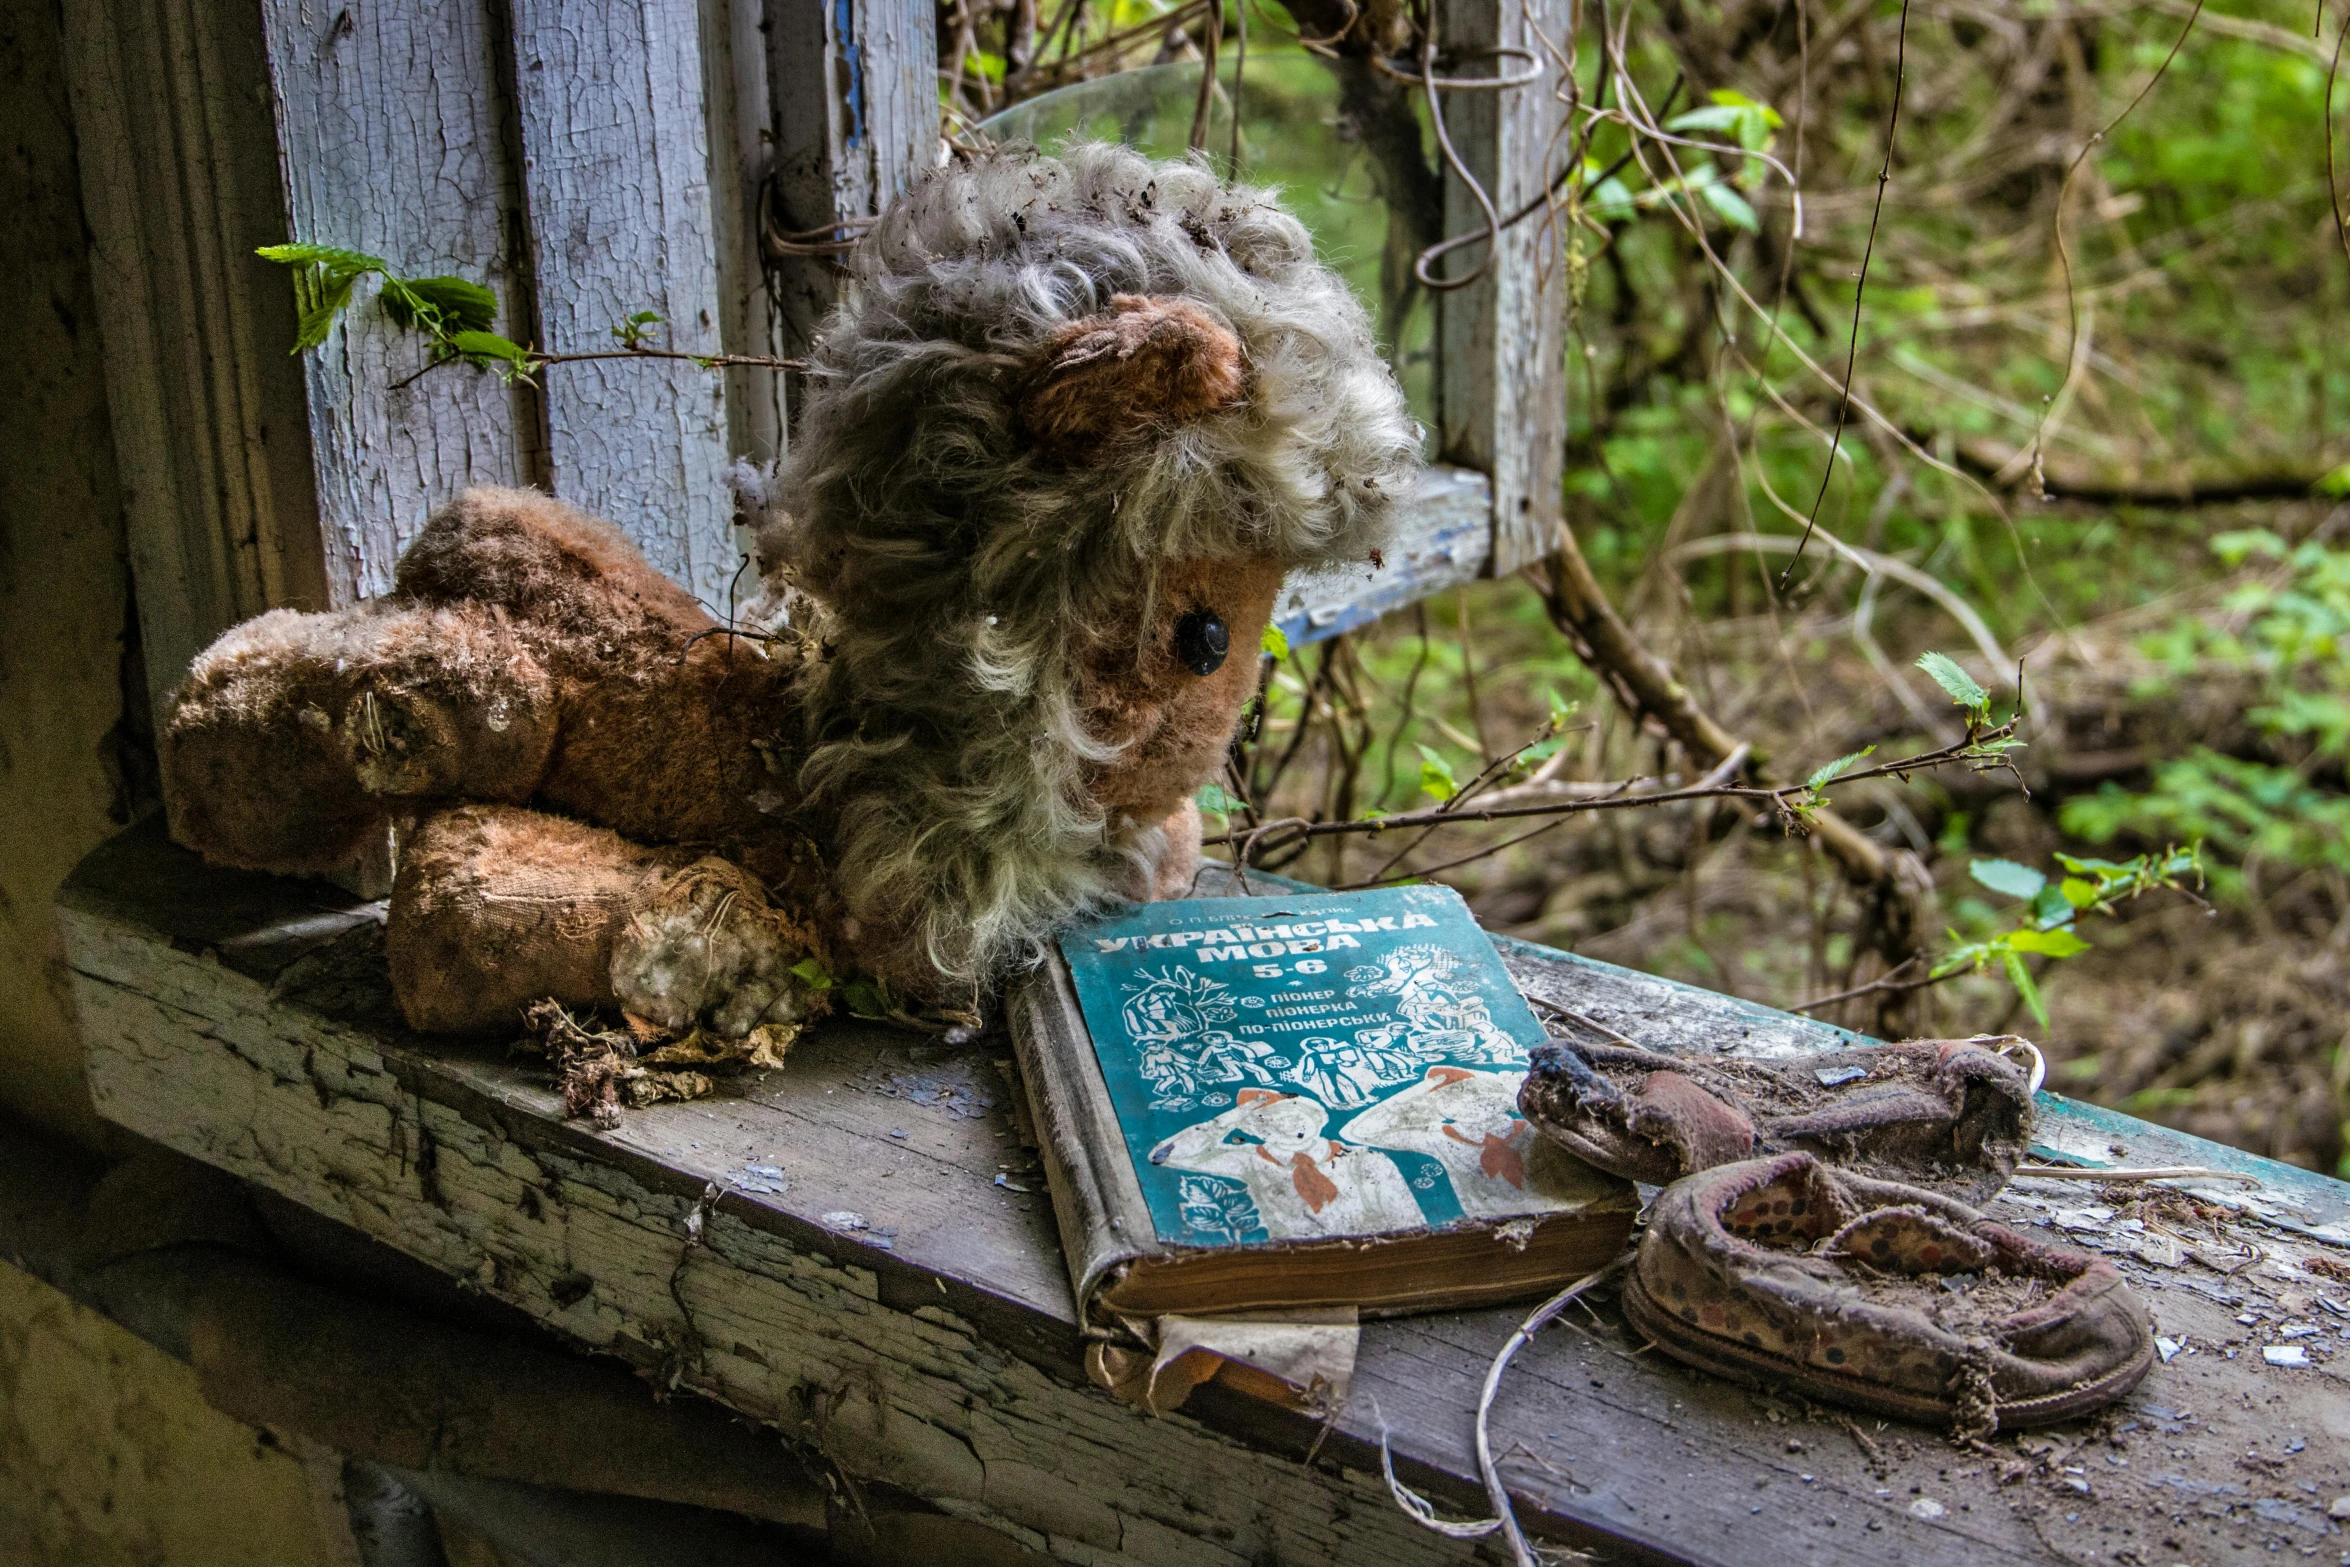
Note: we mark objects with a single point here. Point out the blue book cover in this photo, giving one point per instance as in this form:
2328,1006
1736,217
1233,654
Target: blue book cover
1316,1066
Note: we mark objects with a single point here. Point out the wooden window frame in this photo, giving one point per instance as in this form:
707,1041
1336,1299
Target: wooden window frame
592,161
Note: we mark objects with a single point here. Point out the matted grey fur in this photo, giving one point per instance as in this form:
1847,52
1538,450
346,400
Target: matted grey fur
957,567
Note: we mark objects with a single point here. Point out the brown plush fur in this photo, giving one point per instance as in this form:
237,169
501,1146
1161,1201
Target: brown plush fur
1171,725
1117,377
495,907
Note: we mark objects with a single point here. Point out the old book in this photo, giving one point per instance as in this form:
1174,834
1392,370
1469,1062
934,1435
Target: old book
1300,1100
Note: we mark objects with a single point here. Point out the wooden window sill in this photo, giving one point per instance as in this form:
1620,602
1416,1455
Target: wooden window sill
876,1275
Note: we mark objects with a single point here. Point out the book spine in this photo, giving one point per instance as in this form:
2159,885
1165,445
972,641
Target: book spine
1104,1220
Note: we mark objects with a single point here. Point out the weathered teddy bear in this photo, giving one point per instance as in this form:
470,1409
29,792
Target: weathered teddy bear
1079,417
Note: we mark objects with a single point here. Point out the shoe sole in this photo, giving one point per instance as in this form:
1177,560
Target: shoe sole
1761,1368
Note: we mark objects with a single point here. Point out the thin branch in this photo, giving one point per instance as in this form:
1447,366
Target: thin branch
1784,797
1461,171
2333,181
1882,984
1728,770
1859,293
706,361
536,360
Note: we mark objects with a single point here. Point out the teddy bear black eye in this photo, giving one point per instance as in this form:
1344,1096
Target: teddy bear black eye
1201,641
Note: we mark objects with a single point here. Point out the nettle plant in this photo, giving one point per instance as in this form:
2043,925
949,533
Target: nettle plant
2052,907
454,316
2287,808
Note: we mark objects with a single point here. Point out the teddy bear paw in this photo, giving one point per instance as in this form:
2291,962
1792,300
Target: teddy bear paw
711,952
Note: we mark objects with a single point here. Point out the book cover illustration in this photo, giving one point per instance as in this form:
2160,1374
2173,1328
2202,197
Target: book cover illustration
1318,1065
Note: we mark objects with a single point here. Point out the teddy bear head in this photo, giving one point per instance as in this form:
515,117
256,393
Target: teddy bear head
1077,419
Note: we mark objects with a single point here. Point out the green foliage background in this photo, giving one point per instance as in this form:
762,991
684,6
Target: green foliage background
2164,904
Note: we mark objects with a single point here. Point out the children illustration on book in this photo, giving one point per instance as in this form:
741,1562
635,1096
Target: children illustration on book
1266,1093
1303,1183
1468,1122
1349,1075
1430,1073
1172,1017
1448,1019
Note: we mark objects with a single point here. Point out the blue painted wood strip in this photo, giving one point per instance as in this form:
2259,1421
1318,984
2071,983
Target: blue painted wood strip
1445,538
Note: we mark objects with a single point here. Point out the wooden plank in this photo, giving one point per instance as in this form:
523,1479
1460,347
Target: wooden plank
855,89
391,133
1501,389
616,180
1443,538
741,115
242,1020
180,184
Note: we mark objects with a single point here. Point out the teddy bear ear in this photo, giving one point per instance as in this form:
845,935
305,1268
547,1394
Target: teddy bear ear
1116,378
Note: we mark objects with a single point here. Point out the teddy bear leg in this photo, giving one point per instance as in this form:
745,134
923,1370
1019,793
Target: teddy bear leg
295,737
495,907
709,949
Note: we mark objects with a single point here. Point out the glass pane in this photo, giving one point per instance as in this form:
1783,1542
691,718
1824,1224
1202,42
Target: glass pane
1370,208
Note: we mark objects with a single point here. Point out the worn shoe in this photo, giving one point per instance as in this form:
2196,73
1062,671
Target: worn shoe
1952,1114
1789,1274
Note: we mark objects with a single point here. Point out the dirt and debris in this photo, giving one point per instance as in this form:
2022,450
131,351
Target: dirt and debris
599,1069
1966,1304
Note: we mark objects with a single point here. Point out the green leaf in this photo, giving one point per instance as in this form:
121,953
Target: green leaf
331,257
1731,97
2234,548
323,298
2017,881
632,332
1609,200
1730,207
1536,754
488,347
1216,799
1276,642
463,306
1955,682
1749,121
2080,894
2021,977
864,998
2090,867
2048,943
2336,483
1436,775
323,279
811,973
2051,908
1837,769
1717,117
